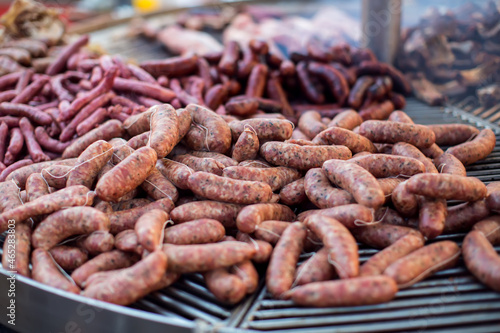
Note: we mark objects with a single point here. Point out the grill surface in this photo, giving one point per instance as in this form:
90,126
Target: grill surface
452,299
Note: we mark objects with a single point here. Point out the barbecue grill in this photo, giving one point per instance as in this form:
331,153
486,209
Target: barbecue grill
451,299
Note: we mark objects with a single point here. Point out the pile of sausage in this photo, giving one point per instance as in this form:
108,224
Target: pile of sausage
69,90
193,191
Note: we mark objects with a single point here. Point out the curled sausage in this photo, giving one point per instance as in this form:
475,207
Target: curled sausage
321,193
71,196
282,265
133,282
477,149
251,216
453,134
343,250
72,221
356,180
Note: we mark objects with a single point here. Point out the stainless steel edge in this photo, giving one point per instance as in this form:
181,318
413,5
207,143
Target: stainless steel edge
44,309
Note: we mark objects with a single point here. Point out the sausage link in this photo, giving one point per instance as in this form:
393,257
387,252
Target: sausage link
195,232
200,163
490,227
475,150
177,173
446,186
481,259
357,291
275,177
393,132
432,217
282,265
133,282
210,132
385,166
377,264
354,179
381,236
315,269
423,262
404,201
225,213
453,134
127,175
251,216
164,129
351,216
348,119
247,146
36,187
321,193
149,229
343,250
293,193
205,257
45,271
65,223
225,286
462,217
266,129
310,123
447,163
106,261
68,257
302,157
340,136
408,150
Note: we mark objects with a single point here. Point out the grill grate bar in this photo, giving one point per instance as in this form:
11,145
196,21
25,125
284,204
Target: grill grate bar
185,310
397,304
435,309
410,324
200,303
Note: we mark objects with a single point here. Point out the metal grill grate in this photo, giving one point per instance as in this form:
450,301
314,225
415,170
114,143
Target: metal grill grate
451,299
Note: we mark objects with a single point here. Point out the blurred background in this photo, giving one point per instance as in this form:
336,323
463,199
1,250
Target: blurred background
81,10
